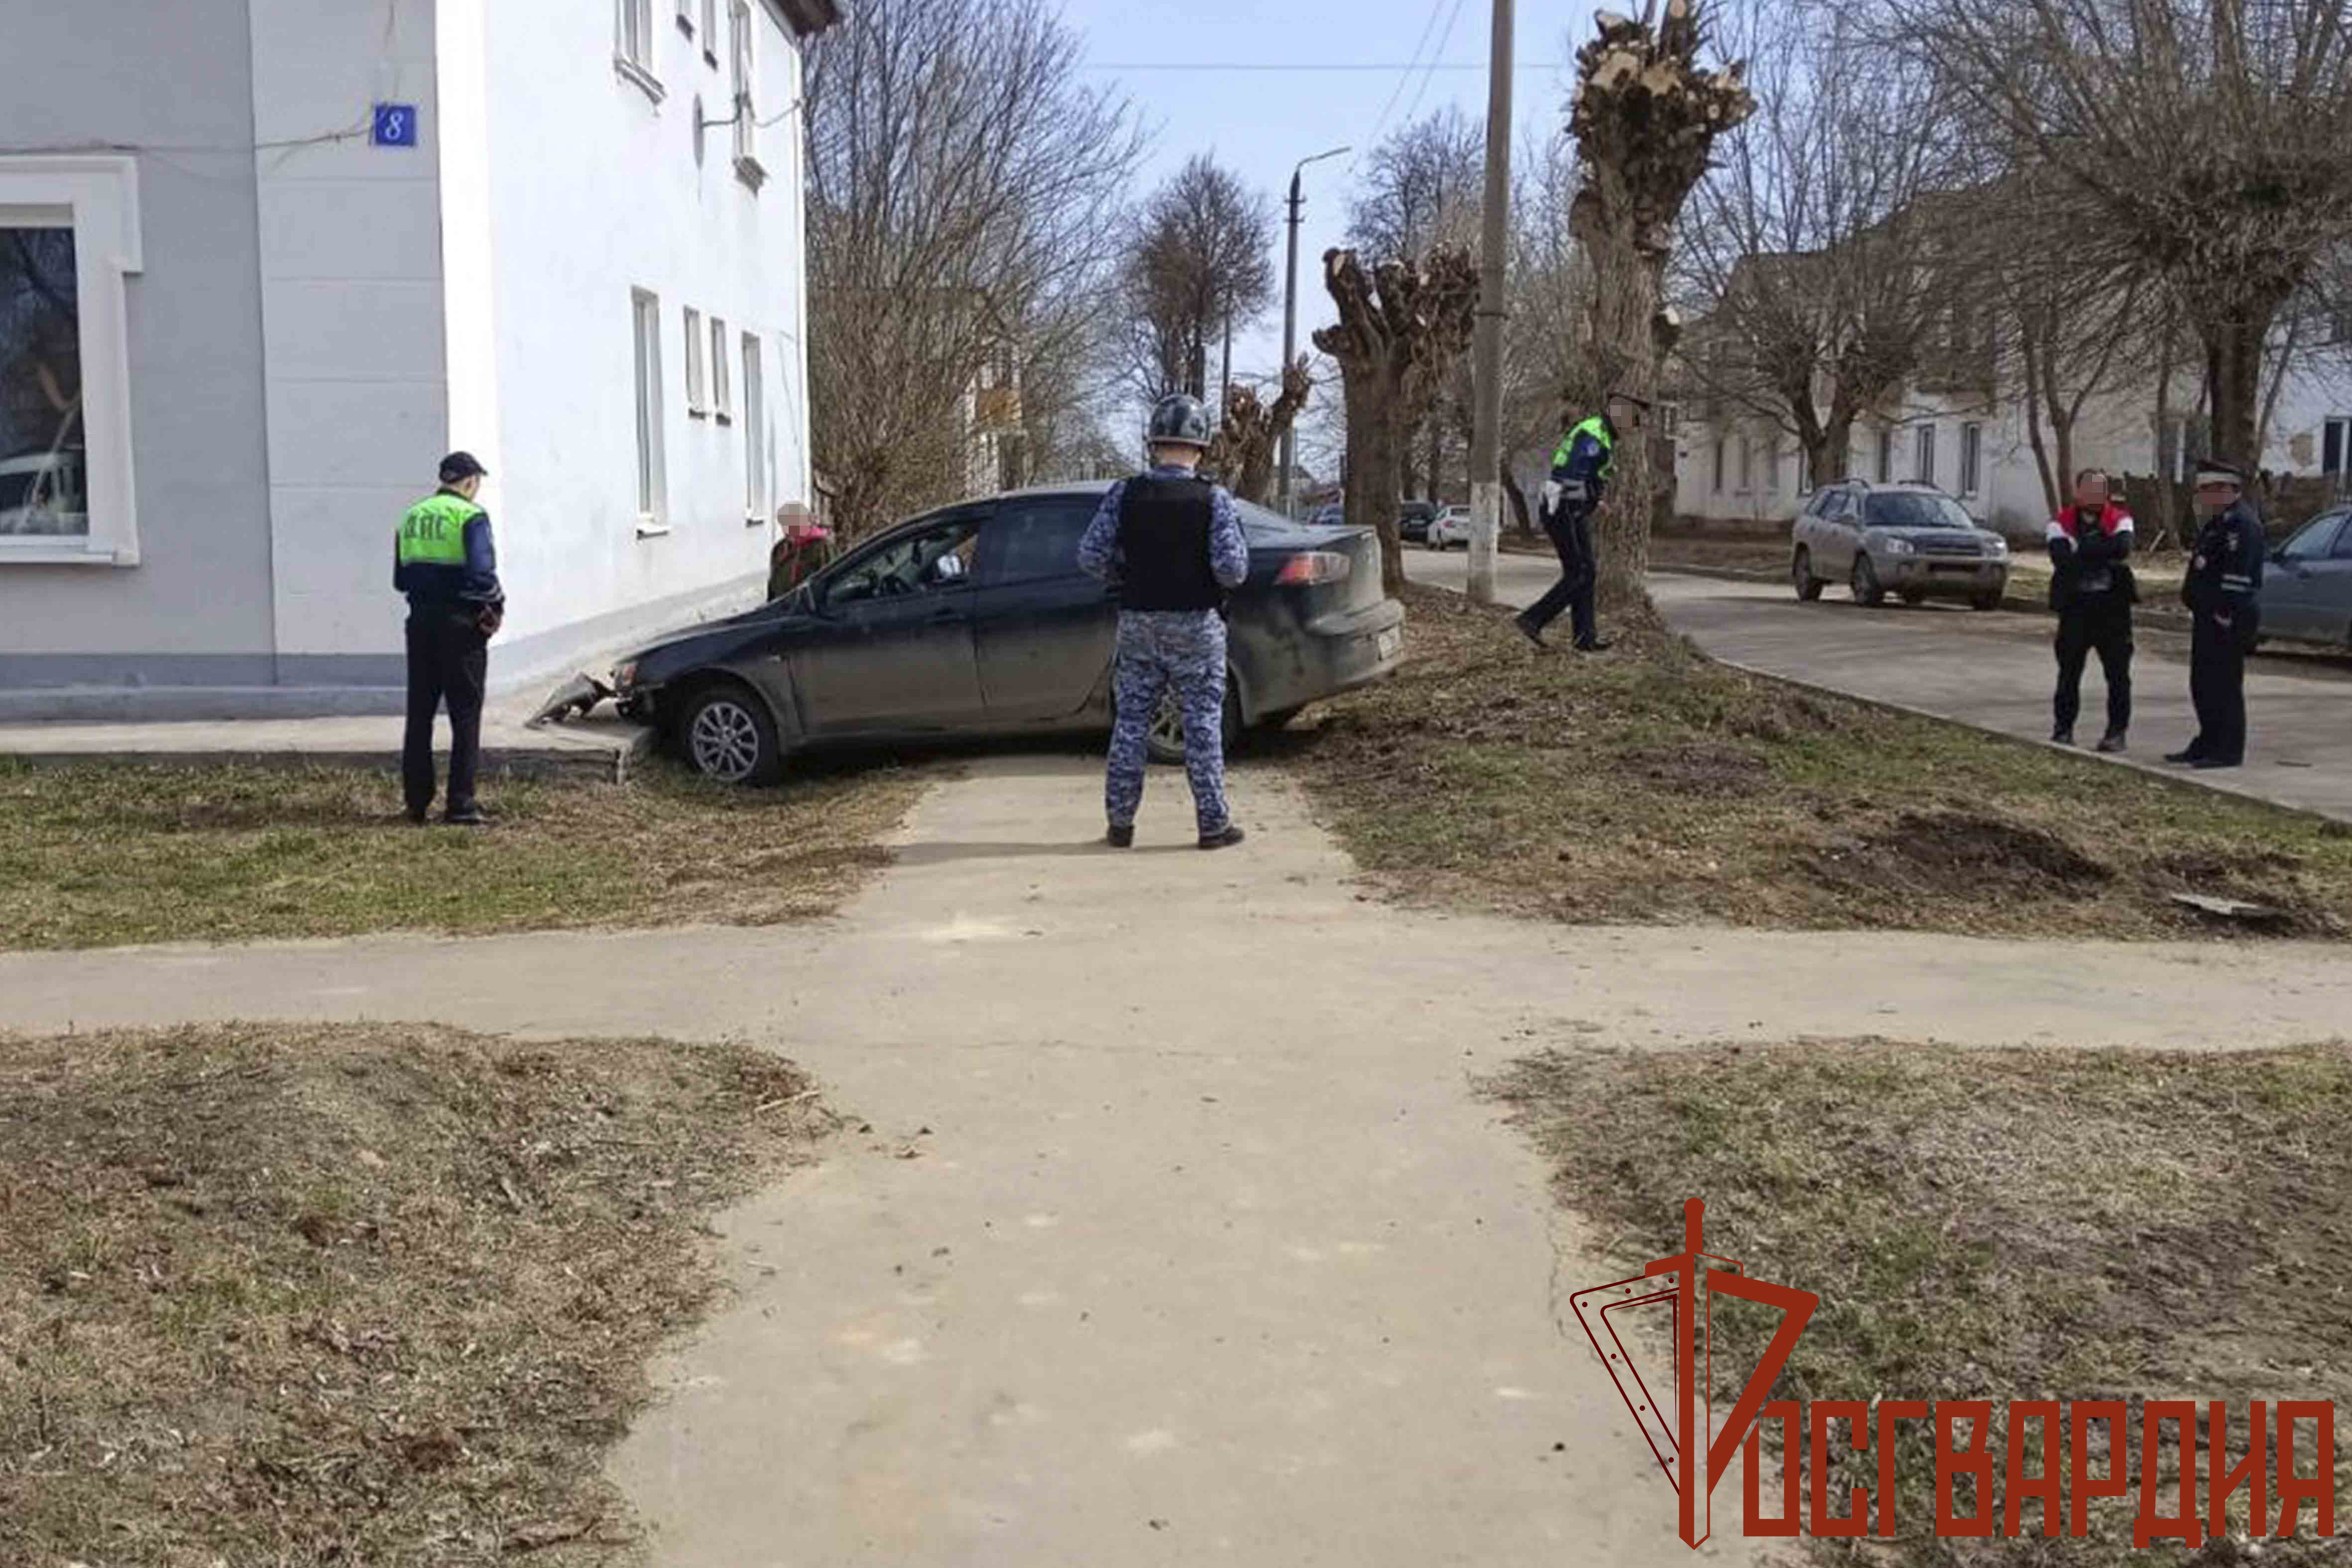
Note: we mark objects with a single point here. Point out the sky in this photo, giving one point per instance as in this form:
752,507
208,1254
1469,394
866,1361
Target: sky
1260,123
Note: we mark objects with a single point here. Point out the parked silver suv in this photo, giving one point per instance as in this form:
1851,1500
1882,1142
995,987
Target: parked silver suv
1911,540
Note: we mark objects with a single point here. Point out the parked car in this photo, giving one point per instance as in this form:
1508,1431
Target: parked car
2307,586
976,620
1911,540
1449,528
1412,524
1330,515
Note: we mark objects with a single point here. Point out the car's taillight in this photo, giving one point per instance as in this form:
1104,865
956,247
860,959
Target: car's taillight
1313,566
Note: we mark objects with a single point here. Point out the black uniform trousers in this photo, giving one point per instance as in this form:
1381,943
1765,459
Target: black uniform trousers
1571,528
2217,685
2100,623
449,662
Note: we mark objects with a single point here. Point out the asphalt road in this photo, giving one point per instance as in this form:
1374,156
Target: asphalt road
1994,671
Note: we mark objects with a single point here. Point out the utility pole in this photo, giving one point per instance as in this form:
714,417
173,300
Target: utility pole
1486,422
1290,315
1225,375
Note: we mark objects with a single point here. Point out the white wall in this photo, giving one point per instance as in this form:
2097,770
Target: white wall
352,319
594,189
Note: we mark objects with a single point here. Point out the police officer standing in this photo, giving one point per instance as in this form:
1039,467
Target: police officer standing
1580,469
2222,595
2093,591
1172,544
445,561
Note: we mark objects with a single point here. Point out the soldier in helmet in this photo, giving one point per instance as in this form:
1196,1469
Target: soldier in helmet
1172,544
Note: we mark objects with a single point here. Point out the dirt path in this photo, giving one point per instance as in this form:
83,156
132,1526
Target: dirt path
1208,1252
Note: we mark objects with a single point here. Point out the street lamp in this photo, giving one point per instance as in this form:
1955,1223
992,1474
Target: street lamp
1290,314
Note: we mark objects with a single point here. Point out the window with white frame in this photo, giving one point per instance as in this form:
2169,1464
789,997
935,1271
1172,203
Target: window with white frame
711,31
68,233
1746,465
1718,465
686,16
1885,456
2335,438
1971,457
695,404
755,424
747,159
722,397
1670,419
1923,463
633,43
650,505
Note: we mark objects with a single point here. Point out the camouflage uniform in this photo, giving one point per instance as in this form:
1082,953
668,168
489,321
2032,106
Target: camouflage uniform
1156,650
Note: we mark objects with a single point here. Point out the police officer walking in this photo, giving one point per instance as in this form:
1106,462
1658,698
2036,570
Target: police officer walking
1171,545
2093,591
1580,469
445,561
2222,595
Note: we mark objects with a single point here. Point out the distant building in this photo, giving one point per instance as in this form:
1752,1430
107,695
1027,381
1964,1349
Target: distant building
340,237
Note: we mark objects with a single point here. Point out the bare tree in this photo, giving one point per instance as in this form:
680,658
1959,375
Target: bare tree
2207,136
963,187
1200,259
1823,268
1401,329
1645,118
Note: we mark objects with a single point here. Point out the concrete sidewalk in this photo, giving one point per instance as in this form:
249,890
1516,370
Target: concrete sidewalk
599,750
1992,671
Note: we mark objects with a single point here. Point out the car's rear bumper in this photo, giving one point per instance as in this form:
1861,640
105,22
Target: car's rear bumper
1334,653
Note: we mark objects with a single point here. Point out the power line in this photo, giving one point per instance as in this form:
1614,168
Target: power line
1395,92
1426,77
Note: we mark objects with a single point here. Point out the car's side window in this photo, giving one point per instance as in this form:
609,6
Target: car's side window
928,560
2314,541
1029,541
2343,550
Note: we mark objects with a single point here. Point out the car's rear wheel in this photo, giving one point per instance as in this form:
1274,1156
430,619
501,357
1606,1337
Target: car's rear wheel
1915,596
728,733
1800,575
1164,741
1867,589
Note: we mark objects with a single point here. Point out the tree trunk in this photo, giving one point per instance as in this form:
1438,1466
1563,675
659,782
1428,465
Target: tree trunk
1624,313
1519,498
1375,464
2168,524
1435,472
2234,343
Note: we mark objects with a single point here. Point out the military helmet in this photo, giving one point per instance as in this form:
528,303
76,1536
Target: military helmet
1179,420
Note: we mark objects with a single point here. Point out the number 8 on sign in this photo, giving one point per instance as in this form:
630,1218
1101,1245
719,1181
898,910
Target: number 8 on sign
396,125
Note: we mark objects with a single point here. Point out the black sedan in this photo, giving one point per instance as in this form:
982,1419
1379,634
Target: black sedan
976,620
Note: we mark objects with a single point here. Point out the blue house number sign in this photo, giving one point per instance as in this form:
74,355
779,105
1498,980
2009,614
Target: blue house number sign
396,125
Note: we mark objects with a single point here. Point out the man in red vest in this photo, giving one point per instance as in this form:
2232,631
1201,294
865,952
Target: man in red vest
2093,591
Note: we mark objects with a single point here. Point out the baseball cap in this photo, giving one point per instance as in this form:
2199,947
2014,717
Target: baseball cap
460,466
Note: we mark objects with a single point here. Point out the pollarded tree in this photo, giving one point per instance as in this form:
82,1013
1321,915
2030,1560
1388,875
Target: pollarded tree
1645,120
1401,329
1250,440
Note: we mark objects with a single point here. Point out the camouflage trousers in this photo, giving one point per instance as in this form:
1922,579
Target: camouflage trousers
1183,650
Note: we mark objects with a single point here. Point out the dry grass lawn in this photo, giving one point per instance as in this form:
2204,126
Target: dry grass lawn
1649,785
1997,1225
380,1296
103,855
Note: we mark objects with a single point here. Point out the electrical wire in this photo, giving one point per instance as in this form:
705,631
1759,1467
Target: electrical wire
1451,20
1397,91
1310,65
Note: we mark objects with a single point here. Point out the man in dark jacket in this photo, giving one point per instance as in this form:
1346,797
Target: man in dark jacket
2093,591
2223,593
1172,544
445,560
1581,467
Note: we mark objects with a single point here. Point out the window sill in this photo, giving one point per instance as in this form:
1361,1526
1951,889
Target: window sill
686,26
751,522
651,529
693,412
632,72
710,57
57,551
751,171
723,417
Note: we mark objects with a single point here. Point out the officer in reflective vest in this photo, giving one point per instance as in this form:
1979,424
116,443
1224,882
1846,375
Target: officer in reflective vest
1581,470
1170,543
2223,594
445,561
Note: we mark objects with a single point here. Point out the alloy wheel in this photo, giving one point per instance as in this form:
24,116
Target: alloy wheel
725,740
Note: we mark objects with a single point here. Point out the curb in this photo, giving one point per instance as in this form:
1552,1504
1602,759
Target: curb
559,764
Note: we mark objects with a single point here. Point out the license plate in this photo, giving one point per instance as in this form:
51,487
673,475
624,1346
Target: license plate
1392,642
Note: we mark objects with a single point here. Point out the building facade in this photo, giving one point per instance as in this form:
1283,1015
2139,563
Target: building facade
320,242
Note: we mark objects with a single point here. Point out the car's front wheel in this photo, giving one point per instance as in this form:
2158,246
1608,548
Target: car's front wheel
1867,589
1800,574
1986,601
1164,741
728,733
